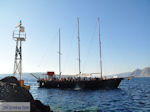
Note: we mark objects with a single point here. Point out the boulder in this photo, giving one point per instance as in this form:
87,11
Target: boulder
10,79
11,91
40,106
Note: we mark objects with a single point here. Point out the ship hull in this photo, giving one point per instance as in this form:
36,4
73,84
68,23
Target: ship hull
81,84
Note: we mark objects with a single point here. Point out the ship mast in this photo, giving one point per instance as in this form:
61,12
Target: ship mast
79,48
59,53
100,54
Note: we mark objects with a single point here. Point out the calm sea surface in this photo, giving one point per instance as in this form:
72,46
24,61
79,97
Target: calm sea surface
132,96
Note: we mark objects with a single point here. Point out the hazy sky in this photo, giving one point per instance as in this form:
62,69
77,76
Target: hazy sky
125,34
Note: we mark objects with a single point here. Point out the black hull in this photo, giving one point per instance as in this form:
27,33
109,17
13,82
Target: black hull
82,84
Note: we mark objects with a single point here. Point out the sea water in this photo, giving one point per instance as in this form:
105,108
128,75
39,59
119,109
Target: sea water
131,96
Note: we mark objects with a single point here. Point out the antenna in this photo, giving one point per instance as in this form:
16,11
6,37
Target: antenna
100,54
79,47
19,35
59,52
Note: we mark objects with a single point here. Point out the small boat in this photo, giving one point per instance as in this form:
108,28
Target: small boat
79,82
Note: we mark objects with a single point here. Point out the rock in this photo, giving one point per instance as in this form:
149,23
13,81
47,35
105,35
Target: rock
11,91
10,79
41,107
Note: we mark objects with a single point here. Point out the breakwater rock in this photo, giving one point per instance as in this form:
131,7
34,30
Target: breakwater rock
11,91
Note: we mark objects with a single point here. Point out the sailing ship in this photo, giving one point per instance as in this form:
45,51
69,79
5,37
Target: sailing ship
80,81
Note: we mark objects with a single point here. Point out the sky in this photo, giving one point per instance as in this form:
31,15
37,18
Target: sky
124,32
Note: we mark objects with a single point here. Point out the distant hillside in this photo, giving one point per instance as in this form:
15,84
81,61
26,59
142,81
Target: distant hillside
141,72
125,74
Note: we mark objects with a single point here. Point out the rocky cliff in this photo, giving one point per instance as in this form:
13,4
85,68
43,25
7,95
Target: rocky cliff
11,91
142,72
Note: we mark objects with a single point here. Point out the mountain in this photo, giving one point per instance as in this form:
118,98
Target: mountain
146,71
141,72
125,74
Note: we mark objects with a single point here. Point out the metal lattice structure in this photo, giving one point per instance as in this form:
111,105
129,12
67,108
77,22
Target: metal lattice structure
19,36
